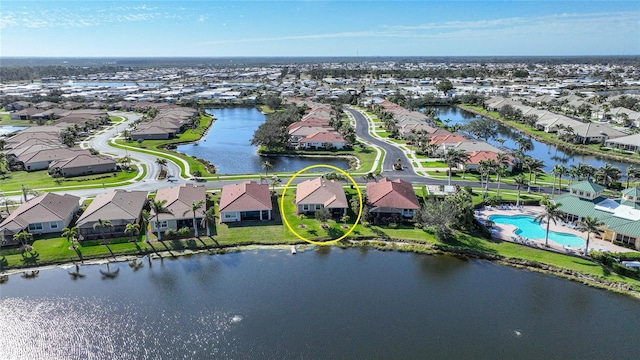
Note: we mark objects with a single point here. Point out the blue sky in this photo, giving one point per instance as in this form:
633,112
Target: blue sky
318,28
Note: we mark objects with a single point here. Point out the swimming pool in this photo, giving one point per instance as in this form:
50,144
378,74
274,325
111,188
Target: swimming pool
527,228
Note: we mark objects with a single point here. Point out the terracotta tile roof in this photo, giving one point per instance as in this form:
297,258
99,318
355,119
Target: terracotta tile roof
397,194
323,137
447,139
82,160
179,200
246,196
115,205
320,191
476,156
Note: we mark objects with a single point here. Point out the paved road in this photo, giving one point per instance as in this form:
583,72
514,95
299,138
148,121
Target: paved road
100,142
392,152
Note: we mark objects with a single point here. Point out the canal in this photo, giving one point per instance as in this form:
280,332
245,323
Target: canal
551,155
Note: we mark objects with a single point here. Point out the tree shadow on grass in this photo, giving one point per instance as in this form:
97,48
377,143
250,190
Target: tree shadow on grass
381,234
31,259
167,248
3,263
192,245
335,233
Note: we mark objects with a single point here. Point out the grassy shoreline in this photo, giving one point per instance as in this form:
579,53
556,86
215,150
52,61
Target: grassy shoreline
575,148
187,247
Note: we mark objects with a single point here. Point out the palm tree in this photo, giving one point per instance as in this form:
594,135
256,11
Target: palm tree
557,171
161,161
519,182
24,237
453,157
591,225
26,191
266,166
500,172
208,219
195,206
586,171
158,207
101,225
632,173
608,174
551,213
70,233
6,202
144,224
133,229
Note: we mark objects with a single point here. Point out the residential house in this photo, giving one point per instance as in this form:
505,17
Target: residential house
621,216
119,207
245,201
315,194
391,199
323,140
476,157
178,201
591,132
626,143
83,164
40,160
45,214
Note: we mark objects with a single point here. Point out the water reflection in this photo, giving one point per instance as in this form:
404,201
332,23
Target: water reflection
227,145
316,304
550,154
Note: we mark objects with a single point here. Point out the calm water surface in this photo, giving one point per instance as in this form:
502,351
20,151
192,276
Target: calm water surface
227,145
550,154
318,304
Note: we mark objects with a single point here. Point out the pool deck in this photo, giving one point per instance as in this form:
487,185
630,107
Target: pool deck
506,232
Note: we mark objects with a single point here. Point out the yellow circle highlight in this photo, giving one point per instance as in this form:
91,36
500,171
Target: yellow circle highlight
328,242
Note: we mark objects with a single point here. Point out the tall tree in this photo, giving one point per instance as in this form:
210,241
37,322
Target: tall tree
101,226
632,173
195,206
551,213
590,225
144,223
70,233
133,229
208,219
453,157
266,166
519,182
557,171
607,175
158,207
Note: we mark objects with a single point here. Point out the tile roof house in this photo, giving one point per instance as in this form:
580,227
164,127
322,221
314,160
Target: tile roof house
40,160
120,207
179,200
387,198
476,157
595,133
323,140
621,216
314,194
245,201
44,214
83,164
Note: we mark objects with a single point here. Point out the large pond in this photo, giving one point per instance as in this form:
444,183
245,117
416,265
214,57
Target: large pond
227,145
318,304
550,154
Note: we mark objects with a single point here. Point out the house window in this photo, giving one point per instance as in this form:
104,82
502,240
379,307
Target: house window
162,224
305,207
36,226
53,225
230,215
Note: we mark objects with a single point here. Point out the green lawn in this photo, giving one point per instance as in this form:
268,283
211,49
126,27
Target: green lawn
434,164
41,180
